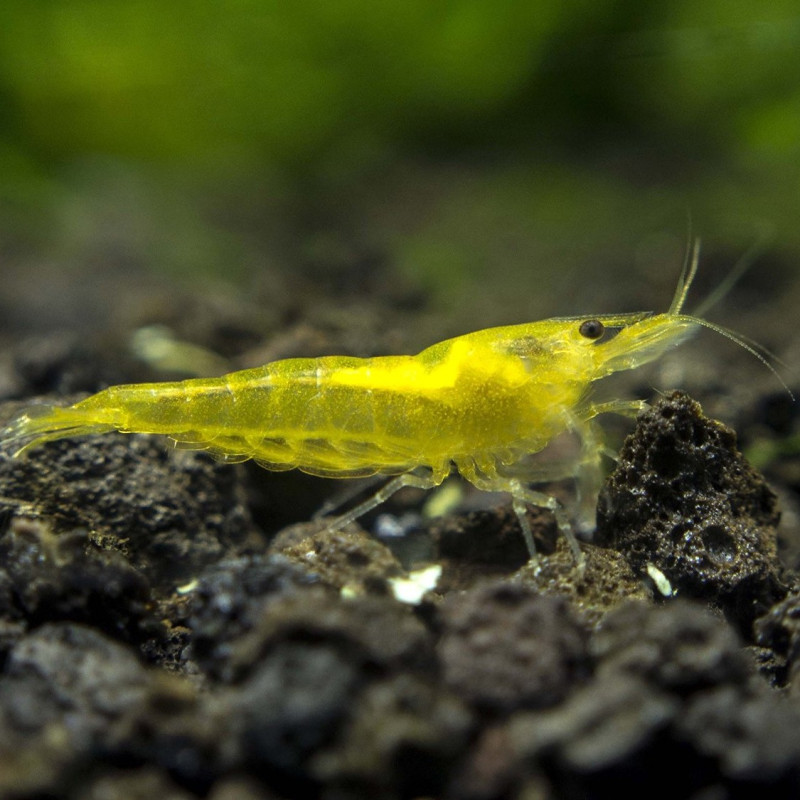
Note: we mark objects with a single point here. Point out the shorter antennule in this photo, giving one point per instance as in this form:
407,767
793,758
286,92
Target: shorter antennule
688,273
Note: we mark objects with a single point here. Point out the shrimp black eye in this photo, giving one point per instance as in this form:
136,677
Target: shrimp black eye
592,329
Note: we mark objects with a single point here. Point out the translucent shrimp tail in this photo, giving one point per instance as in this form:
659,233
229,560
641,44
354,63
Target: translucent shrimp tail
39,424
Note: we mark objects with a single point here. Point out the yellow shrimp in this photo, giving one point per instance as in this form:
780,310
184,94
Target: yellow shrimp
482,403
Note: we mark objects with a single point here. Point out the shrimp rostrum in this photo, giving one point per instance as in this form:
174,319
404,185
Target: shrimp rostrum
482,404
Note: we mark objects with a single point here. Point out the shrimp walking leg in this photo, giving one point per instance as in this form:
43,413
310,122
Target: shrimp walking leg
589,471
522,497
343,497
625,408
484,476
382,495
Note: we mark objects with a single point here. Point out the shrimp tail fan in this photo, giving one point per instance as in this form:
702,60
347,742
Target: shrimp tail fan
39,424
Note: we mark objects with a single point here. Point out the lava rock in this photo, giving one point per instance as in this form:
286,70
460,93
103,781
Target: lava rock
491,539
50,577
611,733
349,560
672,686
683,499
503,647
169,514
292,705
402,740
778,634
600,582
680,647
71,677
228,601
380,635
751,737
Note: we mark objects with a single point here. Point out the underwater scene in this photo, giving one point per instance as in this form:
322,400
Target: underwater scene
399,400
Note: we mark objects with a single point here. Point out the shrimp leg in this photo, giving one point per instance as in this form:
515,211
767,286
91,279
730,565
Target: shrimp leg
484,476
523,496
382,495
588,472
344,496
626,408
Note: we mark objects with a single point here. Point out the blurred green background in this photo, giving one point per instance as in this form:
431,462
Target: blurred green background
503,160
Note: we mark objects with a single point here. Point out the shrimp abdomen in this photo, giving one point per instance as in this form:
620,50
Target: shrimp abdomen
287,414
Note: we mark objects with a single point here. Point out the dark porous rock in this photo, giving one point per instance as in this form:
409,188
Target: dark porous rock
620,732
674,702
778,638
291,705
72,678
503,647
300,670
594,586
186,732
403,738
749,737
228,601
609,734
680,647
52,577
12,618
684,500
379,634
169,513
349,560
492,769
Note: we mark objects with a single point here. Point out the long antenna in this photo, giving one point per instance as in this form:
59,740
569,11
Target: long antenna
752,347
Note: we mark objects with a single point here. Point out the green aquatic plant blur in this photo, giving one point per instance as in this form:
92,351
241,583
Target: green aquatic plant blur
456,139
